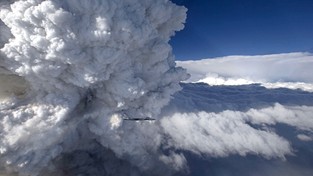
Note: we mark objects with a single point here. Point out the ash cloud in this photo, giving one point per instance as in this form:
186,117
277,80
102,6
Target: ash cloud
85,66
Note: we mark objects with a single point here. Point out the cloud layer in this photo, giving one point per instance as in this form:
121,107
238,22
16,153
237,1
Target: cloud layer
224,120
290,70
244,105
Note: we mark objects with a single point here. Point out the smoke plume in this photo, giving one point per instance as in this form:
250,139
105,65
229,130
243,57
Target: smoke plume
72,71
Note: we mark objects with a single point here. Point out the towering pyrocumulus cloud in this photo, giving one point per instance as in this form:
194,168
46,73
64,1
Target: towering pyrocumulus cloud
76,68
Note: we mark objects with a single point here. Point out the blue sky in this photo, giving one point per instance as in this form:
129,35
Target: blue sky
244,27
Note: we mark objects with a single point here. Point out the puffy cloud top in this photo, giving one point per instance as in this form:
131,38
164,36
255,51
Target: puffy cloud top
84,62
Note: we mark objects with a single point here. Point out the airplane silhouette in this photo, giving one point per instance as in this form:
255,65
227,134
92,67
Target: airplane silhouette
140,119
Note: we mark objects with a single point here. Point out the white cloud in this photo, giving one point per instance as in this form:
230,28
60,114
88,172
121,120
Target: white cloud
229,132
290,85
297,116
304,137
241,102
291,70
221,135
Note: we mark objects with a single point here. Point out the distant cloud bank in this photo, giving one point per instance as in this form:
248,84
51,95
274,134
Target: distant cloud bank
290,70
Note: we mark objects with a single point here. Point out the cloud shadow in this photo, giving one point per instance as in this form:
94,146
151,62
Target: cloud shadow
195,97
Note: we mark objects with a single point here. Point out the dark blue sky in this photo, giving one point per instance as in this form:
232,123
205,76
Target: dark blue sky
244,27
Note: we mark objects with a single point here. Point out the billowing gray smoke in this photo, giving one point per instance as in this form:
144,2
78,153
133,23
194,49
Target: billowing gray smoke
74,69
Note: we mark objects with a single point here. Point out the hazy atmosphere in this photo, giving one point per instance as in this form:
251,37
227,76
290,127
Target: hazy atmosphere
145,87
